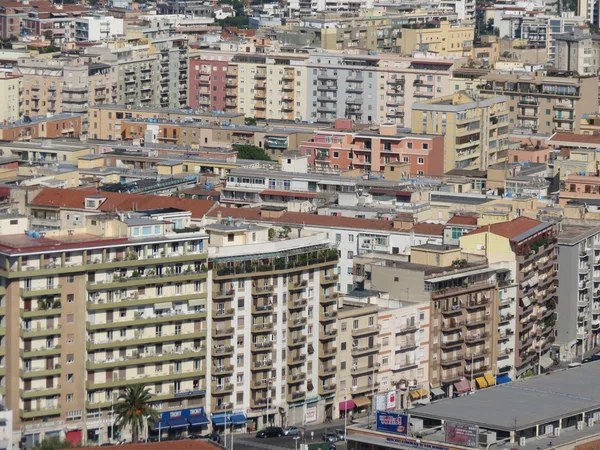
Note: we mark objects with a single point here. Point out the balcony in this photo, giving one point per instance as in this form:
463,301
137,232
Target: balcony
368,388
51,410
221,389
357,351
329,298
223,350
329,279
262,290
359,332
450,325
452,341
296,378
223,294
327,389
327,316
222,370
470,339
262,309
298,285
328,352
296,322
294,360
227,313
296,341
223,332
362,370
262,346
265,327
260,74
297,396
40,331
221,407
41,291
297,304
262,365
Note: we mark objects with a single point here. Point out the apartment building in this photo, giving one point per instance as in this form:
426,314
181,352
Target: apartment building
465,339
11,90
274,329
208,82
57,19
106,120
89,311
475,127
319,87
578,52
445,39
64,85
56,126
523,249
347,146
97,26
578,316
545,102
172,58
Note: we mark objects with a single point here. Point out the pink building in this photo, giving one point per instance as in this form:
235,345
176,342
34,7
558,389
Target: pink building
206,84
350,146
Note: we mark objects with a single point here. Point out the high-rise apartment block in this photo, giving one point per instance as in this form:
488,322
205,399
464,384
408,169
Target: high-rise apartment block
317,86
475,127
11,90
545,102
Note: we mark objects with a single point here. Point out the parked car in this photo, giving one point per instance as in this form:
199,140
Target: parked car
291,431
331,437
210,436
592,358
270,432
340,434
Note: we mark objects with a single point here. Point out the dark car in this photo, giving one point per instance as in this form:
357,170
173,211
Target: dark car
331,437
270,432
210,436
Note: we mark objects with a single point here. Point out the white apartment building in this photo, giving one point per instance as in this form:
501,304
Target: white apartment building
97,27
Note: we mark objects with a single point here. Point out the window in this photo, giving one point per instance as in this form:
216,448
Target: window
70,358
69,398
409,145
350,254
70,298
70,278
385,360
421,316
70,338
70,318
344,326
343,365
70,377
230,237
338,237
350,238
343,346
420,160
386,341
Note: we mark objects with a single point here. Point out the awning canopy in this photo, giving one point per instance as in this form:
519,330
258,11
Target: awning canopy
481,382
437,392
546,362
162,306
361,402
491,381
197,302
419,393
502,379
462,385
179,422
347,405
162,425
198,420
219,419
237,419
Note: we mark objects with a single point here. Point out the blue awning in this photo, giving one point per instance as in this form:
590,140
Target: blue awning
162,425
237,419
179,422
501,379
219,419
198,420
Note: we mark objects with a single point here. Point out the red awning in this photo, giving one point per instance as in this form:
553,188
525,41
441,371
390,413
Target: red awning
289,193
74,437
346,405
463,385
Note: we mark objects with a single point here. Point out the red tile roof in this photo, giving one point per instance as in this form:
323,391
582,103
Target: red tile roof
236,213
186,444
592,139
463,220
74,199
432,229
510,229
289,193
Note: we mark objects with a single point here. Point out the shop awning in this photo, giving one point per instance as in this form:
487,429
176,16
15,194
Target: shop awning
197,302
419,393
481,382
162,306
546,362
361,402
219,419
162,425
437,392
198,420
347,405
462,385
237,419
179,422
491,381
502,379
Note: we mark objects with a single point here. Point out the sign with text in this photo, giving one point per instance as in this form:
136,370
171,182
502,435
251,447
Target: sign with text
392,422
462,434
311,414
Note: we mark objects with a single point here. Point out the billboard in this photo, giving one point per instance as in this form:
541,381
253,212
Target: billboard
392,422
311,414
462,434
385,401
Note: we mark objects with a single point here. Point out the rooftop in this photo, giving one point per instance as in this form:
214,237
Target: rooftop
38,119
168,111
573,234
524,403
516,230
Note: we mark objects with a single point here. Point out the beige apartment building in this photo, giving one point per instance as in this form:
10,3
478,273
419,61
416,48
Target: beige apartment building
446,40
11,90
545,102
475,126
128,298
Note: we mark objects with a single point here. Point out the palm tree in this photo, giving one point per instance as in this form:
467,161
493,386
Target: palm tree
133,407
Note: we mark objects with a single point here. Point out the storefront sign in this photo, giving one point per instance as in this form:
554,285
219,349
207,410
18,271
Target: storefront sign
462,434
183,413
311,414
420,445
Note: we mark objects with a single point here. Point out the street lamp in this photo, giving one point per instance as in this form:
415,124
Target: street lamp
296,441
268,396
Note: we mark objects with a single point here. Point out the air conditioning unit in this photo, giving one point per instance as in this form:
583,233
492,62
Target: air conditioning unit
580,425
522,441
590,422
556,432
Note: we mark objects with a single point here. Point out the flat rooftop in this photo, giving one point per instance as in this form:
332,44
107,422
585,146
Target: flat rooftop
188,112
525,403
572,234
38,119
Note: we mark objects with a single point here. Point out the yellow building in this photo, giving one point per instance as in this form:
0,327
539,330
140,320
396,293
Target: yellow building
446,40
475,127
10,91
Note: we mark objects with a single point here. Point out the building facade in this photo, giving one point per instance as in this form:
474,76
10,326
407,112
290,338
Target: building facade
11,91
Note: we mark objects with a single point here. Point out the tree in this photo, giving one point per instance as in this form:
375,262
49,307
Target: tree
251,121
251,152
133,408
52,443
48,35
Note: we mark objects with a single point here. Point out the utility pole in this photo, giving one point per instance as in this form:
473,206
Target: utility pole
472,367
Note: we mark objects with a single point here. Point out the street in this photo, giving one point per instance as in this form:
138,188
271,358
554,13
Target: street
249,441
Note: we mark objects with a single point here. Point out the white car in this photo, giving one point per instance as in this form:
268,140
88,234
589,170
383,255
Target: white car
291,431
